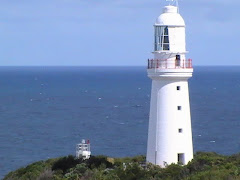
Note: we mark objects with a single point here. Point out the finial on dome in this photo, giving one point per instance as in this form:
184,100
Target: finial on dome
170,9
173,2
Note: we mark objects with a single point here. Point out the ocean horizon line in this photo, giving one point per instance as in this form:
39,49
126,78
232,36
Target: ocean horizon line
26,66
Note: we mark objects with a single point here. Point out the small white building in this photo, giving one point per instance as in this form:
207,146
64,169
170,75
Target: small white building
170,133
83,150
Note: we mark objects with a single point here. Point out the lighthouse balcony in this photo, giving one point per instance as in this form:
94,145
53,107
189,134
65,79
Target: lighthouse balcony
169,64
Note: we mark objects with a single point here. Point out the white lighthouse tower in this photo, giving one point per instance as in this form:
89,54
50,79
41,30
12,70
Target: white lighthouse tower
170,133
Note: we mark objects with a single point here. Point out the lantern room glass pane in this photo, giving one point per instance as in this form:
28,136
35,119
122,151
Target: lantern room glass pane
166,47
166,31
161,38
166,39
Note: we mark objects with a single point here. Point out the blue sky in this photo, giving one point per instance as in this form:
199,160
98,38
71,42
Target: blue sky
112,32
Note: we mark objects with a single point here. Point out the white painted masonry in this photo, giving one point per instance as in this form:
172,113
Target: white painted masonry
170,133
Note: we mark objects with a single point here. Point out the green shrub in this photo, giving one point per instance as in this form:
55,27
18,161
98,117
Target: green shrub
65,163
30,172
204,166
204,161
97,161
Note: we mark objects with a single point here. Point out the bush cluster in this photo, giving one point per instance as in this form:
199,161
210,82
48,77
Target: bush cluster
204,166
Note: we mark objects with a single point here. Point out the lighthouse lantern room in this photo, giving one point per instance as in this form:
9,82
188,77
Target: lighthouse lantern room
169,133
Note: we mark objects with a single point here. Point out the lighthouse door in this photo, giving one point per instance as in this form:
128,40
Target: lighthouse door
178,60
181,158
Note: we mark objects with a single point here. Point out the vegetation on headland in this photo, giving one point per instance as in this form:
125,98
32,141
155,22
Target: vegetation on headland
204,166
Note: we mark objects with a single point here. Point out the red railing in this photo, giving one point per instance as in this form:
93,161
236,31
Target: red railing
169,64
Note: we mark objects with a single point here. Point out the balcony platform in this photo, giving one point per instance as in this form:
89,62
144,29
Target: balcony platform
169,64
170,68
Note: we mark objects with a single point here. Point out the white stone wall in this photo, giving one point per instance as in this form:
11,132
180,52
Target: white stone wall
164,140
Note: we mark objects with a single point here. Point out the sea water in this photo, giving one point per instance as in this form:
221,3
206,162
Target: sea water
46,111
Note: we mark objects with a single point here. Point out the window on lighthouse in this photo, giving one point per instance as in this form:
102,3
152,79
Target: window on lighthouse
161,38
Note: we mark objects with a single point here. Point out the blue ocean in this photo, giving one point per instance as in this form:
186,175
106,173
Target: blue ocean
46,111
